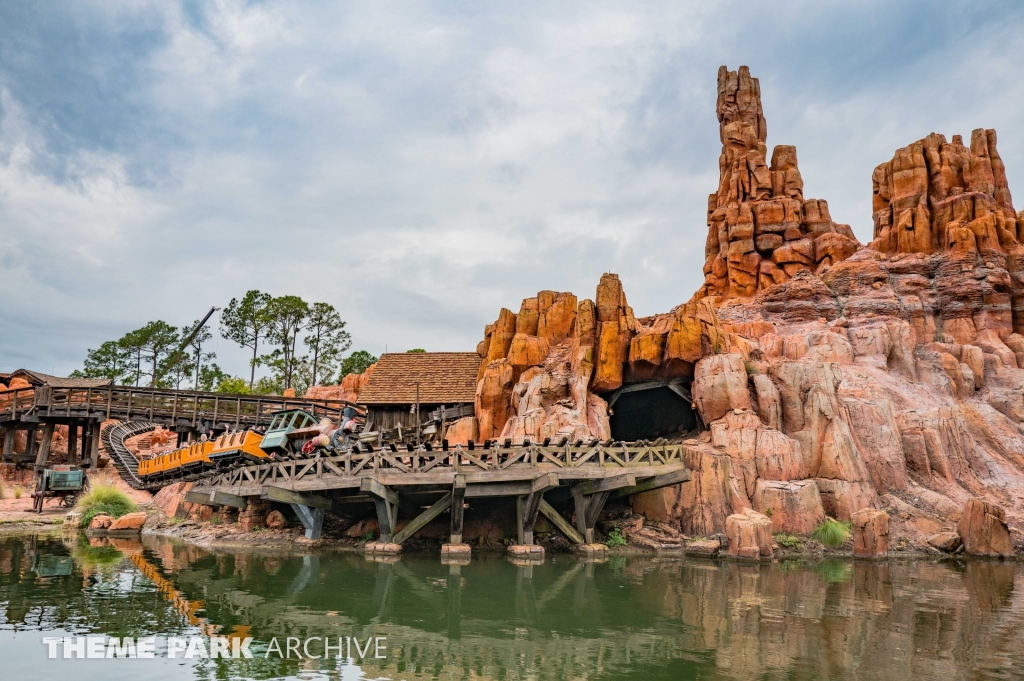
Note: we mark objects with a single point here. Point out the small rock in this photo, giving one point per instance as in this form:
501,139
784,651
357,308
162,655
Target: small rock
945,541
983,529
100,522
131,521
275,520
870,533
706,548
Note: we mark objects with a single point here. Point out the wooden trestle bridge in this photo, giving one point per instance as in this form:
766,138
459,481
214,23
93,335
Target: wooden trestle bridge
588,474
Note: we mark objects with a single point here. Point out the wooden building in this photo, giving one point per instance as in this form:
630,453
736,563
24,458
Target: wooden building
26,387
438,386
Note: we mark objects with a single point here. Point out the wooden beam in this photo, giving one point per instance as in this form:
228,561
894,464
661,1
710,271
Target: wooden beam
544,483
606,484
8,443
287,496
222,498
417,523
371,486
498,489
561,523
94,446
458,502
673,478
199,498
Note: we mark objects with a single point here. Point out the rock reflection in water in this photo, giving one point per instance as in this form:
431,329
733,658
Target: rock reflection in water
563,619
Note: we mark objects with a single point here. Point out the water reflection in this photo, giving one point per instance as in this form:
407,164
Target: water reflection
491,619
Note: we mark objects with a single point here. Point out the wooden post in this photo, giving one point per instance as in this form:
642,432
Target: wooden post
94,446
86,442
8,443
417,412
30,443
72,442
41,458
458,499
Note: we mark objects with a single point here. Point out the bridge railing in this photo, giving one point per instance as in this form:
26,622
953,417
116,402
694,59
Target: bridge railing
458,459
157,404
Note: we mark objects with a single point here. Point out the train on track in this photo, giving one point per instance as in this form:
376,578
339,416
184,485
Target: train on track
293,432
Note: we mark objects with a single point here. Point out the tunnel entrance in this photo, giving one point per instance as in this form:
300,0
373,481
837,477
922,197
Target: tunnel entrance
647,411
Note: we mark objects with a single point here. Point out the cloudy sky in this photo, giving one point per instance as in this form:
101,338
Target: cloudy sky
422,164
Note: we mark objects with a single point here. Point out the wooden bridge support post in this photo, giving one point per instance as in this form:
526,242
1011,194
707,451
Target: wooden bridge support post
458,501
94,445
588,509
30,443
528,507
72,443
387,507
9,443
41,459
312,518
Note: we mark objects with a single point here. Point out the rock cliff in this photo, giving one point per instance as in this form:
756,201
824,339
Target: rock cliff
830,377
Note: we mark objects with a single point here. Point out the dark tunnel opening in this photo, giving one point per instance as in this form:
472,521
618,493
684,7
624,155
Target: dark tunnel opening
650,414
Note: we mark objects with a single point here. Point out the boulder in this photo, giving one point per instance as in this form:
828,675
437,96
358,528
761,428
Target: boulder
100,522
705,548
171,499
945,541
793,507
720,385
462,432
983,529
131,522
870,533
275,520
750,535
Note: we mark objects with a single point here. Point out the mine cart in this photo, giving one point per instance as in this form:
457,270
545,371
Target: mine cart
62,482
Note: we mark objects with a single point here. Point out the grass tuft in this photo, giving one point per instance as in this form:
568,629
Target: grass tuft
18,491
104,499
832,533
790,541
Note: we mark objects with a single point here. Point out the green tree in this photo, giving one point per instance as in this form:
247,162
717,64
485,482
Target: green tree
416,350
235,385
175,370
200,359
159,339
356,363
134,344
287,315
326,339
110,360
245,322
212,378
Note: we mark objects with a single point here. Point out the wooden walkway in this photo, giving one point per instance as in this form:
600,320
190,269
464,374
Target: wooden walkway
589,475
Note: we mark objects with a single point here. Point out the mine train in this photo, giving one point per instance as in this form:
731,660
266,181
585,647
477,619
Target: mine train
291,433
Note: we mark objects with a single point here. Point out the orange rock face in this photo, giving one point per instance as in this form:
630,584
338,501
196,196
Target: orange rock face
750,535
870,533
348,390
983,530
761,229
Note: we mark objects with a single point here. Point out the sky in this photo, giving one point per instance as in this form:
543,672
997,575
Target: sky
420,165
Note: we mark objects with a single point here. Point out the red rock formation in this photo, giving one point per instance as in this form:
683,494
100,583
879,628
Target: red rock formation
348,390
983,530
750,535
762,231
883,376
870,533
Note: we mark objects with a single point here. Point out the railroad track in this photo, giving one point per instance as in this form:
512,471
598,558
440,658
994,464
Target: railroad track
124,461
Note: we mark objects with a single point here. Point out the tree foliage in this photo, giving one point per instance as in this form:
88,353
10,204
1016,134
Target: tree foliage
326,339
245,322
286,316
356,363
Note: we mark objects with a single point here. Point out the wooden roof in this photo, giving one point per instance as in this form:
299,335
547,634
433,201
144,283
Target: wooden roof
444,378
38,378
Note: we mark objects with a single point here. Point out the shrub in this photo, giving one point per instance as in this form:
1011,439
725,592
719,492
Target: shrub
788,540
104,499
832,533
615,538
368,536
18,491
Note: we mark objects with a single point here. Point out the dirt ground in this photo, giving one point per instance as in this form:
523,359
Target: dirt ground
19,511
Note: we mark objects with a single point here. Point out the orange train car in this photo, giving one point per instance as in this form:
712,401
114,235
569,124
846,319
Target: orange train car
209,454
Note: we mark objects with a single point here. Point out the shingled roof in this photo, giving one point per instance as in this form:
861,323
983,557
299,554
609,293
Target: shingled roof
444,378
39,378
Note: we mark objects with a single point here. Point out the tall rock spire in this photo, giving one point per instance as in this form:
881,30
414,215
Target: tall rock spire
761,230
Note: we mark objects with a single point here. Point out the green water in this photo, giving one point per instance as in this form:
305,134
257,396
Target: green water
627,618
